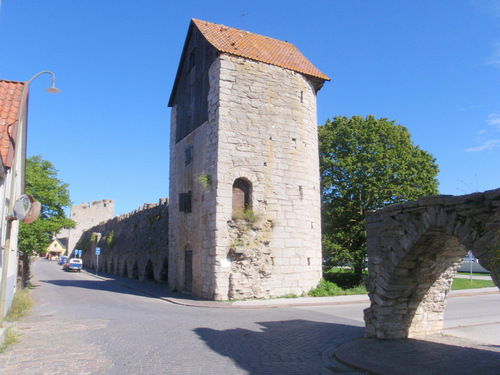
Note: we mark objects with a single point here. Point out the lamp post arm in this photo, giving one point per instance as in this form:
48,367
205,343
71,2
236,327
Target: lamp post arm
52,89
39,74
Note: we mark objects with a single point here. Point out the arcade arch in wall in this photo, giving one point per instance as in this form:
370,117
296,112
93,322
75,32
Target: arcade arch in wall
415,249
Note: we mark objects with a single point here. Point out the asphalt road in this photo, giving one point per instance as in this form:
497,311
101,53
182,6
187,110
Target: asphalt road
84,325
81,324
474,317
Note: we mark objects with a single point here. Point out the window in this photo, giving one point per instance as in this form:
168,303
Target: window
241,196
188,153
185,202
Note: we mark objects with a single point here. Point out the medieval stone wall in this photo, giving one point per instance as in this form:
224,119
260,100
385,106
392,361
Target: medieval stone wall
415,249
133,245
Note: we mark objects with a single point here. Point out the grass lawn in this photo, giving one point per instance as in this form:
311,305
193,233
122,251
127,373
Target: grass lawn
340,281
467,284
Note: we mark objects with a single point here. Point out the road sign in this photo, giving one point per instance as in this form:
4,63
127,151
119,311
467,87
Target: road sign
97,250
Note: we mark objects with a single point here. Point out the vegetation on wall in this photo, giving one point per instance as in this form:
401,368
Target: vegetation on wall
110,239
248,215
205,181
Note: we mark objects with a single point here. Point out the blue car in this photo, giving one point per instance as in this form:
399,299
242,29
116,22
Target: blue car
62,260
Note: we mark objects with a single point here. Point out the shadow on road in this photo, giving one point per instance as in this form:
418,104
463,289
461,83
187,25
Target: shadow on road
411,356
120,284
307,347
283,347
94,284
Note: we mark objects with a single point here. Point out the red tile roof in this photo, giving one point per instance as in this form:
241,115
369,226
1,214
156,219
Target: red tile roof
257,47
11,93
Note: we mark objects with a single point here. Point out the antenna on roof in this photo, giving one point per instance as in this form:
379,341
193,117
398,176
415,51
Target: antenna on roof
244,15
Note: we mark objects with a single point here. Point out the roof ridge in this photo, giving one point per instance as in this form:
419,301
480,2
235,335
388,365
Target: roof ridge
244,31
257,47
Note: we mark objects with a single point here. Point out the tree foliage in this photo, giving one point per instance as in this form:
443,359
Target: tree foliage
42,183
366,164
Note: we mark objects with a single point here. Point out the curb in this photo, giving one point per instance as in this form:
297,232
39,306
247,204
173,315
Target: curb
250,304
277,302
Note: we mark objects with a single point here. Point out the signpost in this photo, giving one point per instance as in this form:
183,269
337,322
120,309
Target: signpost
97,252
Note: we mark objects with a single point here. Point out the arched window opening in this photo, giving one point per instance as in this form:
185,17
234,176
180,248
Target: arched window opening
242,191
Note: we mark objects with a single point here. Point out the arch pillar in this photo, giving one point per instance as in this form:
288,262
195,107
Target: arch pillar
414,251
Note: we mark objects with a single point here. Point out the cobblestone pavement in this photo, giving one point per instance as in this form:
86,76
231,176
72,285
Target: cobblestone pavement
83,324
50,347
435,355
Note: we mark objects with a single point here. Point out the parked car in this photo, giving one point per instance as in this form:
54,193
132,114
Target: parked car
73,264
63,260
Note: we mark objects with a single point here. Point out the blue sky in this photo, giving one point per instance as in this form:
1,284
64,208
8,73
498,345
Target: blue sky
431,65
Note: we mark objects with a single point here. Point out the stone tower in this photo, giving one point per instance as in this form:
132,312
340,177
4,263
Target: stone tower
86,215
244,217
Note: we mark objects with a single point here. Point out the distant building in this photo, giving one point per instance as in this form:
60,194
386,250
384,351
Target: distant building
56,248
244,217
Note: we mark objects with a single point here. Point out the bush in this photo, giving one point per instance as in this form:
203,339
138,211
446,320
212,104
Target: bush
343,277
326,288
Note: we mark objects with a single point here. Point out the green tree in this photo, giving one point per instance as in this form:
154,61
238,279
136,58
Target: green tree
42,183
366,164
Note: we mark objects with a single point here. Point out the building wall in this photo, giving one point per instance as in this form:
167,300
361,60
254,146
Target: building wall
268,135
12,188
262,127
194,231
12,266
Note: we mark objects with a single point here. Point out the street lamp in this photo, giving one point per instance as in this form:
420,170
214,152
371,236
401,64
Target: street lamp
19,159
53,89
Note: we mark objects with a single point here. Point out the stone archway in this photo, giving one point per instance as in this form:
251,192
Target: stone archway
135,271
415,249
149,272
111,265
124,272
164,271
